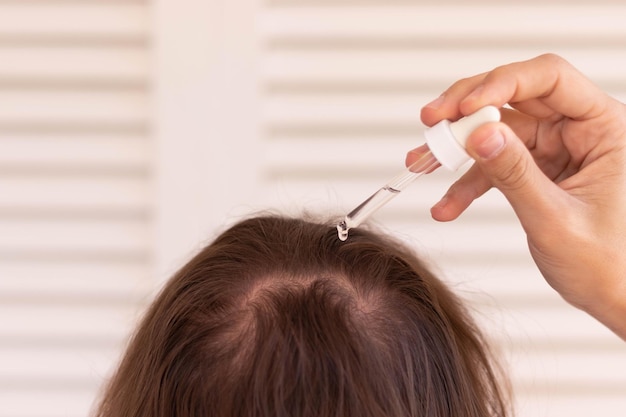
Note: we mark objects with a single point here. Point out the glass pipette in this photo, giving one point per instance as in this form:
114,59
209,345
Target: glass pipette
445,145
425,164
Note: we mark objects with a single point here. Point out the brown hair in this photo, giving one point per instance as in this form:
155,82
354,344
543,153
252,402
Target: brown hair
278,317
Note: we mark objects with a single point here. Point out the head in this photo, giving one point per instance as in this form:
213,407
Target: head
278,317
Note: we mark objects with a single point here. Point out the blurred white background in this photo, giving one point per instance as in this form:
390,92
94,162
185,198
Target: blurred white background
132,131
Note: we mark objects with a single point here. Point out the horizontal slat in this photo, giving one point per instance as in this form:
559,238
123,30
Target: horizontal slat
129,20
461,238
53,400
336,153
334,175
72,65
31,237
423,22
541,324
66,280
71,127
33,364
450,4
559,371
341,192
362,130
64,322
508,283
580,404
37,195
320,162
53,151
367,109
438,67
71,107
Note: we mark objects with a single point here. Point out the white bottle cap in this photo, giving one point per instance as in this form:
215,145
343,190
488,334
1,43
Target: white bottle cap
446,140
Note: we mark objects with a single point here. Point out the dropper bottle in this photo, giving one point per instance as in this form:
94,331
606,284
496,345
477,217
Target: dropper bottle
445,146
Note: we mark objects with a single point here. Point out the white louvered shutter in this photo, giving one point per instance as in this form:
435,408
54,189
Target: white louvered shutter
75,180
115,164
344,82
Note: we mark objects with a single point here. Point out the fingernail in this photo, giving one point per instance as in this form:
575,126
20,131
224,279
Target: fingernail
436,103
441,203
417,151
490,147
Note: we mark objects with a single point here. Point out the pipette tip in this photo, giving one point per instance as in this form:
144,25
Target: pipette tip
342,230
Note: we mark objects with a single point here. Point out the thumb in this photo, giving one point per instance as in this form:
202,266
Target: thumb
507,163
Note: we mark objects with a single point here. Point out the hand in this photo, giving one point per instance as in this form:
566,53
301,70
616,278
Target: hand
559,157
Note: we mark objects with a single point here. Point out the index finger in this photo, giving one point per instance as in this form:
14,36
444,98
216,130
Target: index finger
540,86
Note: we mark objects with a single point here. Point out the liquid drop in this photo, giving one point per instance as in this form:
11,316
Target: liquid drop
342,231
